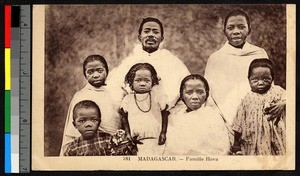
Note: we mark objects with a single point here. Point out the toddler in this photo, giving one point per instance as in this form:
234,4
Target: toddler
144,114
255,133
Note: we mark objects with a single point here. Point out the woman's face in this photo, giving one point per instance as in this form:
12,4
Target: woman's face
194,94
236,30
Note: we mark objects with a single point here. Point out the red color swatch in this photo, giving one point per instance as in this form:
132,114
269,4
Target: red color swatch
7,26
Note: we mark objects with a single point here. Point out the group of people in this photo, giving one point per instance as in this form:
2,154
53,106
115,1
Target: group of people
235,108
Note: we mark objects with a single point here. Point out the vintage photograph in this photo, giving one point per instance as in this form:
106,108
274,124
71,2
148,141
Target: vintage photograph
196,86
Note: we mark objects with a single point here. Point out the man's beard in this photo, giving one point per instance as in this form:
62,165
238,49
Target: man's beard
150,49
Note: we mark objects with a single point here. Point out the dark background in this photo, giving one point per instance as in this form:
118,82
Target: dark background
192,33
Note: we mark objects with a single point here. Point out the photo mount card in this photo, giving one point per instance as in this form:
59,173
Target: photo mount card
63,35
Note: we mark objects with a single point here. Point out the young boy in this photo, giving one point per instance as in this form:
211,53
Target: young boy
95,70
86,119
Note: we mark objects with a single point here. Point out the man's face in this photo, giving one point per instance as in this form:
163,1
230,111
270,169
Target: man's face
150,36
236,30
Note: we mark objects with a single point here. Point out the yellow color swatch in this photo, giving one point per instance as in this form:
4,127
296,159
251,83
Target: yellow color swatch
7,69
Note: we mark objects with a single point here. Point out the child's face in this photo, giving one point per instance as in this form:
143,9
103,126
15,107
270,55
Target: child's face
87,122
95,73
260,79
194,94
142,82
236,30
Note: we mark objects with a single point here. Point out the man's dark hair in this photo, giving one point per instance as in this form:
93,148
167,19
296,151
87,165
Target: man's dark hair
151,19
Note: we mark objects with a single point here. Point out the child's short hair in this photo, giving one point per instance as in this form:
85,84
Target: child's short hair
151,19
194,76
139,66
86,104
236,13
94,57
261,62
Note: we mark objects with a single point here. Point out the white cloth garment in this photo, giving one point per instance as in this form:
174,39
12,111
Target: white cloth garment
146,124
227,74
110,118
169,68
199,132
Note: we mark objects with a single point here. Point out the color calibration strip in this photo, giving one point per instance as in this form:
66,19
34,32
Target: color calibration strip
12,88
7,30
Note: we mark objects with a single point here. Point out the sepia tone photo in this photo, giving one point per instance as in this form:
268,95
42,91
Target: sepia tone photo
163,87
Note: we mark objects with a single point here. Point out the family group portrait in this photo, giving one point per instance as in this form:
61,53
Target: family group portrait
165,80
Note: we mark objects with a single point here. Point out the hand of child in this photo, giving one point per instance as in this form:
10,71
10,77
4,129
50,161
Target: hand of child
275,111
162,138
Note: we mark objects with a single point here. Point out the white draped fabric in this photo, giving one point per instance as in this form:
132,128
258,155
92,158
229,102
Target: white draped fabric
199,132
227,74
169,68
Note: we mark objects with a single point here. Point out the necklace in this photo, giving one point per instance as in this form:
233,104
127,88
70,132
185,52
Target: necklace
136,102
142,99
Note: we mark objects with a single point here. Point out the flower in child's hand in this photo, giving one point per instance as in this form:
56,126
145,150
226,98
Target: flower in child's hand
119,137
121,145
120,133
